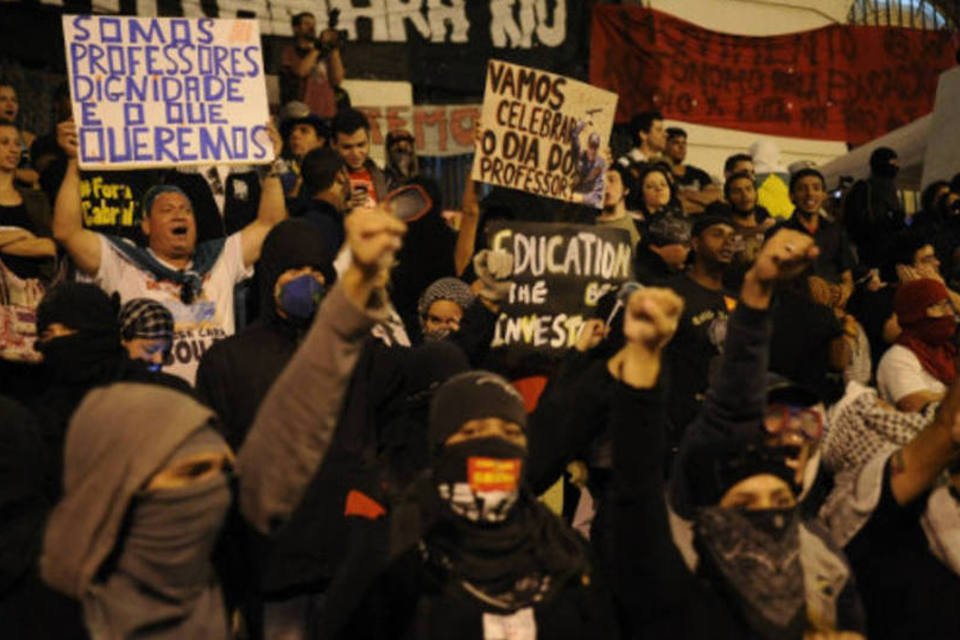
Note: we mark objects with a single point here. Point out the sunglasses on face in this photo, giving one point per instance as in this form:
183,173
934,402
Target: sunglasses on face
781,419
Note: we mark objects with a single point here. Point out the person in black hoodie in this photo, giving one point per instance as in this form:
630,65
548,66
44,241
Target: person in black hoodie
236,373
872,212
473,553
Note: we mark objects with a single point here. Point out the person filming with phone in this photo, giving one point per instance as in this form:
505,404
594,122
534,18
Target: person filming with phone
351,139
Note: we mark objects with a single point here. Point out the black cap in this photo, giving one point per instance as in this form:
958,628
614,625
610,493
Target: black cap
706,220
781,390
469,396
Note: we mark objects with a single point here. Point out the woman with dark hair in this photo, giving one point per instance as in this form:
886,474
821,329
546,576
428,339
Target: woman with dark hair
657,196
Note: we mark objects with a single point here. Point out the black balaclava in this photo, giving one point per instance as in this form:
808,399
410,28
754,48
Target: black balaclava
293,244
94,351
881,163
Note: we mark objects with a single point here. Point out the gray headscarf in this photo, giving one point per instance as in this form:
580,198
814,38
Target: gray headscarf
109,458
452,289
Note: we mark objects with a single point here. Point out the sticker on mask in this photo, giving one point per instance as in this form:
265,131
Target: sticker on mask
517,626
493,474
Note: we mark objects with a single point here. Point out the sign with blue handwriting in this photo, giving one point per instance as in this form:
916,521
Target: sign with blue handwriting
158,92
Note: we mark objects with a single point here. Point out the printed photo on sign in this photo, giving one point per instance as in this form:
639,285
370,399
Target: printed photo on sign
544,134
155,92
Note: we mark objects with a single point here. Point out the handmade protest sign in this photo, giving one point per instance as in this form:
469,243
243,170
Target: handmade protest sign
155,92
560,271
544,134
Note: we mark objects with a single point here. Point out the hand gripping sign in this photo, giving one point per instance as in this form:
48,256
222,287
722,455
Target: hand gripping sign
157,92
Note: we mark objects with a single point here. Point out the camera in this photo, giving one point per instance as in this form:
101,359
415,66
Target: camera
325,48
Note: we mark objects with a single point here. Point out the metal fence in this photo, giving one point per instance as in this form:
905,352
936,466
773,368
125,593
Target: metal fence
917,14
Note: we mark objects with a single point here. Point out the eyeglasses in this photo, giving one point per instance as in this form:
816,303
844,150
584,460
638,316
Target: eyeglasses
783,418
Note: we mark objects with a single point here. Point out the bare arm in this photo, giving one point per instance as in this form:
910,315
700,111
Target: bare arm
272,209
916,401
82,244
11,235
915,467
470,220
335,71
305,66
31,248
469,223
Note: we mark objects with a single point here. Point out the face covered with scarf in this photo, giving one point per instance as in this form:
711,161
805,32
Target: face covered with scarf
493,539
79,333
477,423
748,542
133,535
924,312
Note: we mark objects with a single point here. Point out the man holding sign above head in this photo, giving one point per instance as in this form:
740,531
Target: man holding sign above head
195,281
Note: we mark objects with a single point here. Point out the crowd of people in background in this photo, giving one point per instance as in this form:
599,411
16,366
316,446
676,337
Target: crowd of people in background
261,402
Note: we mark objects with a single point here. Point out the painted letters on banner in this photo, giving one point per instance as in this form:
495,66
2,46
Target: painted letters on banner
835,83
560,271
154,92
544,134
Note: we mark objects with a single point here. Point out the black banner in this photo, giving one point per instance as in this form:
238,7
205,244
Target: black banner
560,271
442,48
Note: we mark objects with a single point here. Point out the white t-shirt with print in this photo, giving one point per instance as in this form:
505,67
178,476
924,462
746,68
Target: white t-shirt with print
900,373
196,326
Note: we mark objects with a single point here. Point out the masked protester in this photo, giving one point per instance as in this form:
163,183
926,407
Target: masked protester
79,337
235,374
474,554
441,307
146,330
872,212
133,534
402,162
917,369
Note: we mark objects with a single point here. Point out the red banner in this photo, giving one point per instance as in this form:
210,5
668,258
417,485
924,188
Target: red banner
835,83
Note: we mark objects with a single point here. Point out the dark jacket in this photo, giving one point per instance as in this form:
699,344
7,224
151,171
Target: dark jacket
419,596
327,220
27,607
872,215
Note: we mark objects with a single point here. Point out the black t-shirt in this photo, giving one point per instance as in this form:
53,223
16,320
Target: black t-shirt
693,352
906,591
16,216
800,345
835,253
693,178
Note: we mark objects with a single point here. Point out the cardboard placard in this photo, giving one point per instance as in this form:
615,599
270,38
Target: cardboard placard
157,92
544,134
560,271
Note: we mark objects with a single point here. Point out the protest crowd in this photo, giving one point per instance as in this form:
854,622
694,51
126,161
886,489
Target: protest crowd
290,399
